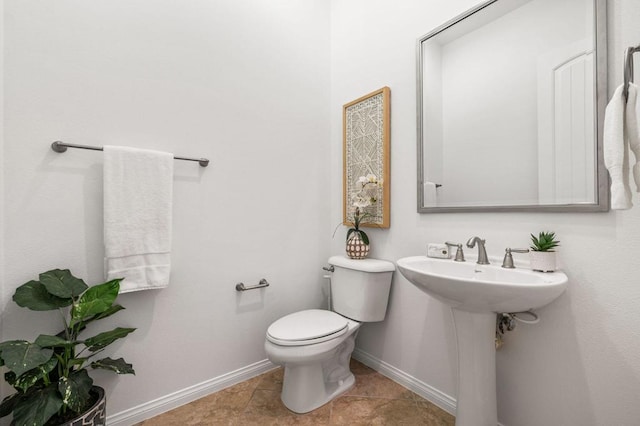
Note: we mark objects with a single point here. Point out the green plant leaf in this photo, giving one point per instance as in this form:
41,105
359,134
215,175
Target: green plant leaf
46,341
365,238
10,377
61,283
105,339
34,295
75,390
10,343
38,407
77,361
112,310
31,377
545,241
8,404
116,365
6,345
96,300
21,356
81,325
349,232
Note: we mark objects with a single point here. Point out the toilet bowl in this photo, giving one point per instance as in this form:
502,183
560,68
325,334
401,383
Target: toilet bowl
315,345
315,372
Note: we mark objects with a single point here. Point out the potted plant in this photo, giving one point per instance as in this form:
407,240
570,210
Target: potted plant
50,374
542,255
357,240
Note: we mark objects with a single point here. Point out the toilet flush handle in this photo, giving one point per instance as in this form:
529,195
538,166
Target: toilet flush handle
330,268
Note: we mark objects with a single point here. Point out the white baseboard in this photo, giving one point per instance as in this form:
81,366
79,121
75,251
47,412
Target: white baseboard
169,402
431,394
174,400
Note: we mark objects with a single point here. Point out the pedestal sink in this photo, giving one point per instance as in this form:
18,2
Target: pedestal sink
475,294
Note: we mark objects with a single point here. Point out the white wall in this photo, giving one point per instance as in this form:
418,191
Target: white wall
249,85
2,296
581,364
245,84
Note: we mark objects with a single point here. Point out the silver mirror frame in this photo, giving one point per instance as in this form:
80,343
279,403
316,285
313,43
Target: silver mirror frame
602,176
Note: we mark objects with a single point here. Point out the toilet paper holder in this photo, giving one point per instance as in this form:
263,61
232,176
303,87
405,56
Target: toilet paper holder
241,287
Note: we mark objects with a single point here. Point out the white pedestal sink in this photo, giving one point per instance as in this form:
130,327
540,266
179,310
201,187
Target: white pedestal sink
476,293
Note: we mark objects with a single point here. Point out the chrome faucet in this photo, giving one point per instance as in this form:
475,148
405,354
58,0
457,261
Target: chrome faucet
482,252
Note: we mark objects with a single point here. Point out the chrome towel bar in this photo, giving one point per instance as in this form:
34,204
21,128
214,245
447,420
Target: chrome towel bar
628,68
241,287
59,146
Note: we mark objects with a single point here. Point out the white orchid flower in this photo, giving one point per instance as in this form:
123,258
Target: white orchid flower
361,201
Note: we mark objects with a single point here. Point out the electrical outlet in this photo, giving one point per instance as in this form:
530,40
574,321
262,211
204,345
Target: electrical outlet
440,251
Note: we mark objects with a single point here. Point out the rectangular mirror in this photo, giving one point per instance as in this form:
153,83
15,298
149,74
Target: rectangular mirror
511,98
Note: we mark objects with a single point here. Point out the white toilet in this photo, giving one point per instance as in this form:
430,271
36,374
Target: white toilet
315,345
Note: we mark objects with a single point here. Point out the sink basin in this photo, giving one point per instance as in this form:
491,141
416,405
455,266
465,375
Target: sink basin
475,294
482,288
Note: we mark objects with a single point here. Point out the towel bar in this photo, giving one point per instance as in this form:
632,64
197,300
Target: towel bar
59,146
628,68
241,287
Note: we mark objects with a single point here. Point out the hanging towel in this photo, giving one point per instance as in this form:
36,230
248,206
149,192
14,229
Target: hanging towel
633,131
616,151
138,186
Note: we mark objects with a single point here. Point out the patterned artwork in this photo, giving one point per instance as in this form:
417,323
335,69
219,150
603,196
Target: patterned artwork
366,152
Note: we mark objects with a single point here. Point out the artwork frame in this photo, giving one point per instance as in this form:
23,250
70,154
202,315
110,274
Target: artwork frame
366,124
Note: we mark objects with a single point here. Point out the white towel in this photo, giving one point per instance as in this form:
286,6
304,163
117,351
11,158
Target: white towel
138,187
430,194
616,152
633,130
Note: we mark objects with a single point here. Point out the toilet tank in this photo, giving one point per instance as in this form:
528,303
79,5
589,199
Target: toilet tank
360,288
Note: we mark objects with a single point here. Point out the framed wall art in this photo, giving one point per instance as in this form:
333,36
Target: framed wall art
366,150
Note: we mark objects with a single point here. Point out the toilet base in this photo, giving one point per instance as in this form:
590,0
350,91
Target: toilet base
309,385
302,394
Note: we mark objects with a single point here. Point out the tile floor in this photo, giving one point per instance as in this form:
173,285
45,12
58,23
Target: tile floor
374,400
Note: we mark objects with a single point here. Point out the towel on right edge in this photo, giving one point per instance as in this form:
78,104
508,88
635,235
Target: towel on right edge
620,133
633,131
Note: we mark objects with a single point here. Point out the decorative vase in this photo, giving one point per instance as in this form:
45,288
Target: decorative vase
94,416
356,248
543,261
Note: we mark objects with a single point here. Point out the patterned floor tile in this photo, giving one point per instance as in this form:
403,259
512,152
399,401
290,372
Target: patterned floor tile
373,400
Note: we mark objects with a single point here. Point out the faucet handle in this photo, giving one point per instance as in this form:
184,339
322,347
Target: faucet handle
508,258
459,253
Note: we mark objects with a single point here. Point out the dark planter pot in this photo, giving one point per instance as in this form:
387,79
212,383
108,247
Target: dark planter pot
94,416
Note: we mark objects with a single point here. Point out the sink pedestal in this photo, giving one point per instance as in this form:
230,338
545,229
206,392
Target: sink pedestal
476,401
475,292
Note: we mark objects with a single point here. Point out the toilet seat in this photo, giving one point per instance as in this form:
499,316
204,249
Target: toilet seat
307,328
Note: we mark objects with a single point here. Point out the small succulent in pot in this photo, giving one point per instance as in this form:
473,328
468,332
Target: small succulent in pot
542,255
545,241
50,375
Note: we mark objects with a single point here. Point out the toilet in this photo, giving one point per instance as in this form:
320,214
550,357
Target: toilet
314,346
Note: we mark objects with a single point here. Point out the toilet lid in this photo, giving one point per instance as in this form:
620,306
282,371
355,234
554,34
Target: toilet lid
307,327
